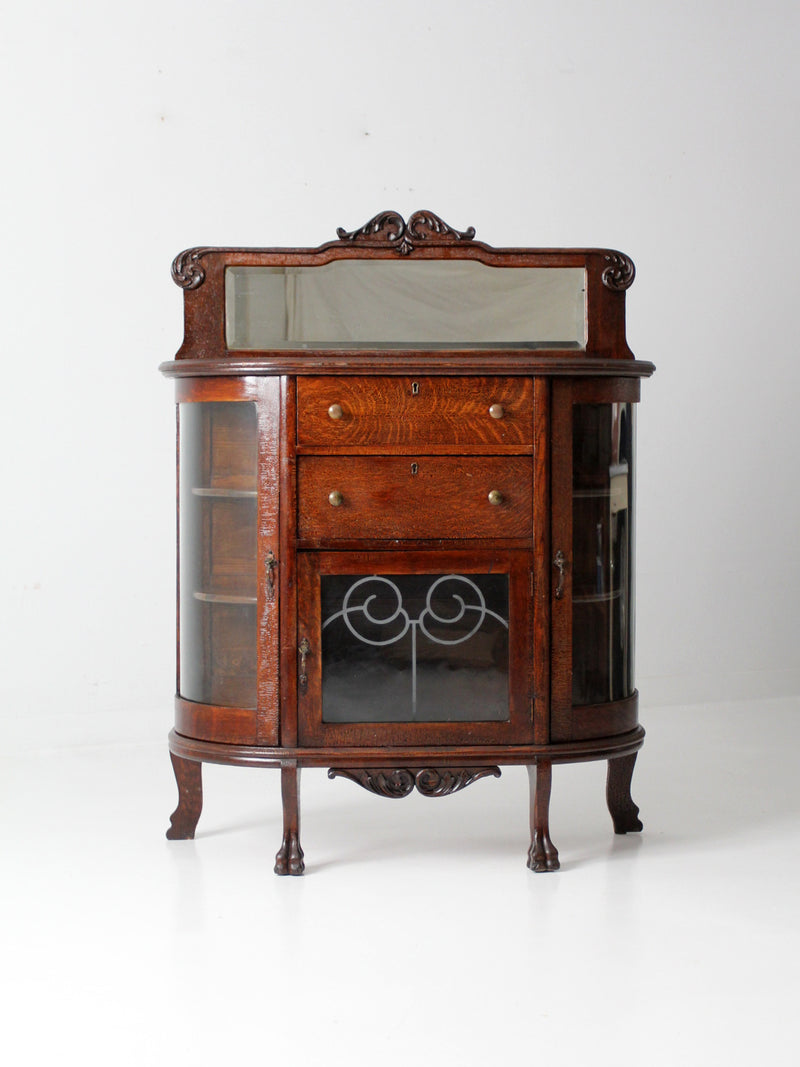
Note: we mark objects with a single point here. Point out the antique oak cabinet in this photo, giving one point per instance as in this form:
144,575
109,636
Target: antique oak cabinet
405,517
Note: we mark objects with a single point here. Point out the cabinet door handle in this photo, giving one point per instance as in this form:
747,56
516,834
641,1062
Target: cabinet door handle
272,564
560,564
303,648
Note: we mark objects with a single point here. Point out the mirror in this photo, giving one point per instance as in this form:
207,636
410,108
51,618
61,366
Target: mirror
360,303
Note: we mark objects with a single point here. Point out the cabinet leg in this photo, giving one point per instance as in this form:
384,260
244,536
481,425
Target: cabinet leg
542,855
189,776
289,859
624,812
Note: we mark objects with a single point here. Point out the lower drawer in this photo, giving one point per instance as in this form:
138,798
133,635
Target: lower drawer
388,497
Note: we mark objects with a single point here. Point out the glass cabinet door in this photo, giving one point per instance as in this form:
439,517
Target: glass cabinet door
593,499
218,551
602,502
391,648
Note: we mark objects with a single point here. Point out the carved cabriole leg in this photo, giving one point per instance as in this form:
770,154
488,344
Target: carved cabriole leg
542,855
289,859
618,795
188,775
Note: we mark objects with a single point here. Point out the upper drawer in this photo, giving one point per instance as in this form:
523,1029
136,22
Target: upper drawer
391,411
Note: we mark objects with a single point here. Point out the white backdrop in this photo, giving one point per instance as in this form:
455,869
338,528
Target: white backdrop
132,131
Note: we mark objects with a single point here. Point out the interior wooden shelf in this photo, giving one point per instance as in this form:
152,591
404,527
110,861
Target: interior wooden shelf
596,598
226,494
222,598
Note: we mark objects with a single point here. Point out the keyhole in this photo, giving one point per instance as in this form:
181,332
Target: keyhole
414,468
414,388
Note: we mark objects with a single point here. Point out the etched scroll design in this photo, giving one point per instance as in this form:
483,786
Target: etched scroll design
400,782
388,227
619,273
428,615
396,621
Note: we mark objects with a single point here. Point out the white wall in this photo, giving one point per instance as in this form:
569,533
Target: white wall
133,131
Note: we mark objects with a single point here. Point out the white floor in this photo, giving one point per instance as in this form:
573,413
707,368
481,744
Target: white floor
417,935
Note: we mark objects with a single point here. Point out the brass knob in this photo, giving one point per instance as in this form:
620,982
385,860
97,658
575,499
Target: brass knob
496,411
335,411
335,499
496,497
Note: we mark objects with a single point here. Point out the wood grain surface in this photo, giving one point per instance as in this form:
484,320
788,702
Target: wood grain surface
382,496
399,410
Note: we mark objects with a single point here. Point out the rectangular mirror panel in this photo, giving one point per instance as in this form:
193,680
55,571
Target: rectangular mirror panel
354,303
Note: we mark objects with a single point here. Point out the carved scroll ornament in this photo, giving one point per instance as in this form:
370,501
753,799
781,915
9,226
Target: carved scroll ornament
619,273
391,228
401,782
187,271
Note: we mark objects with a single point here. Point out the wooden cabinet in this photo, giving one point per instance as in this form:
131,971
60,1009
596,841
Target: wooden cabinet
406,517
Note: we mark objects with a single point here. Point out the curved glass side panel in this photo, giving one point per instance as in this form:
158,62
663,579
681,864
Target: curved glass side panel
218,525
602,552
352,303
415,648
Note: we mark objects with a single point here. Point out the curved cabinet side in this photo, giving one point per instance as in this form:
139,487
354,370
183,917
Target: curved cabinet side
210,722
590,722
233,693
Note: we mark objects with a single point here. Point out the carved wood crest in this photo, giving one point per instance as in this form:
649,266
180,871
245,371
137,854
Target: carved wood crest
401,782
391,228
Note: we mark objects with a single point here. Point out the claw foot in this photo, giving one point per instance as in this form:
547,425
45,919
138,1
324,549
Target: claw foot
543,854
289,859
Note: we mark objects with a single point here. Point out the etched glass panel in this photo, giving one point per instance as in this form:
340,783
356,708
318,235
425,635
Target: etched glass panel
356,303
218,506
415,648
602,531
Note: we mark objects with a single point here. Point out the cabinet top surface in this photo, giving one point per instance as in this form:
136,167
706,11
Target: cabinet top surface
394,294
